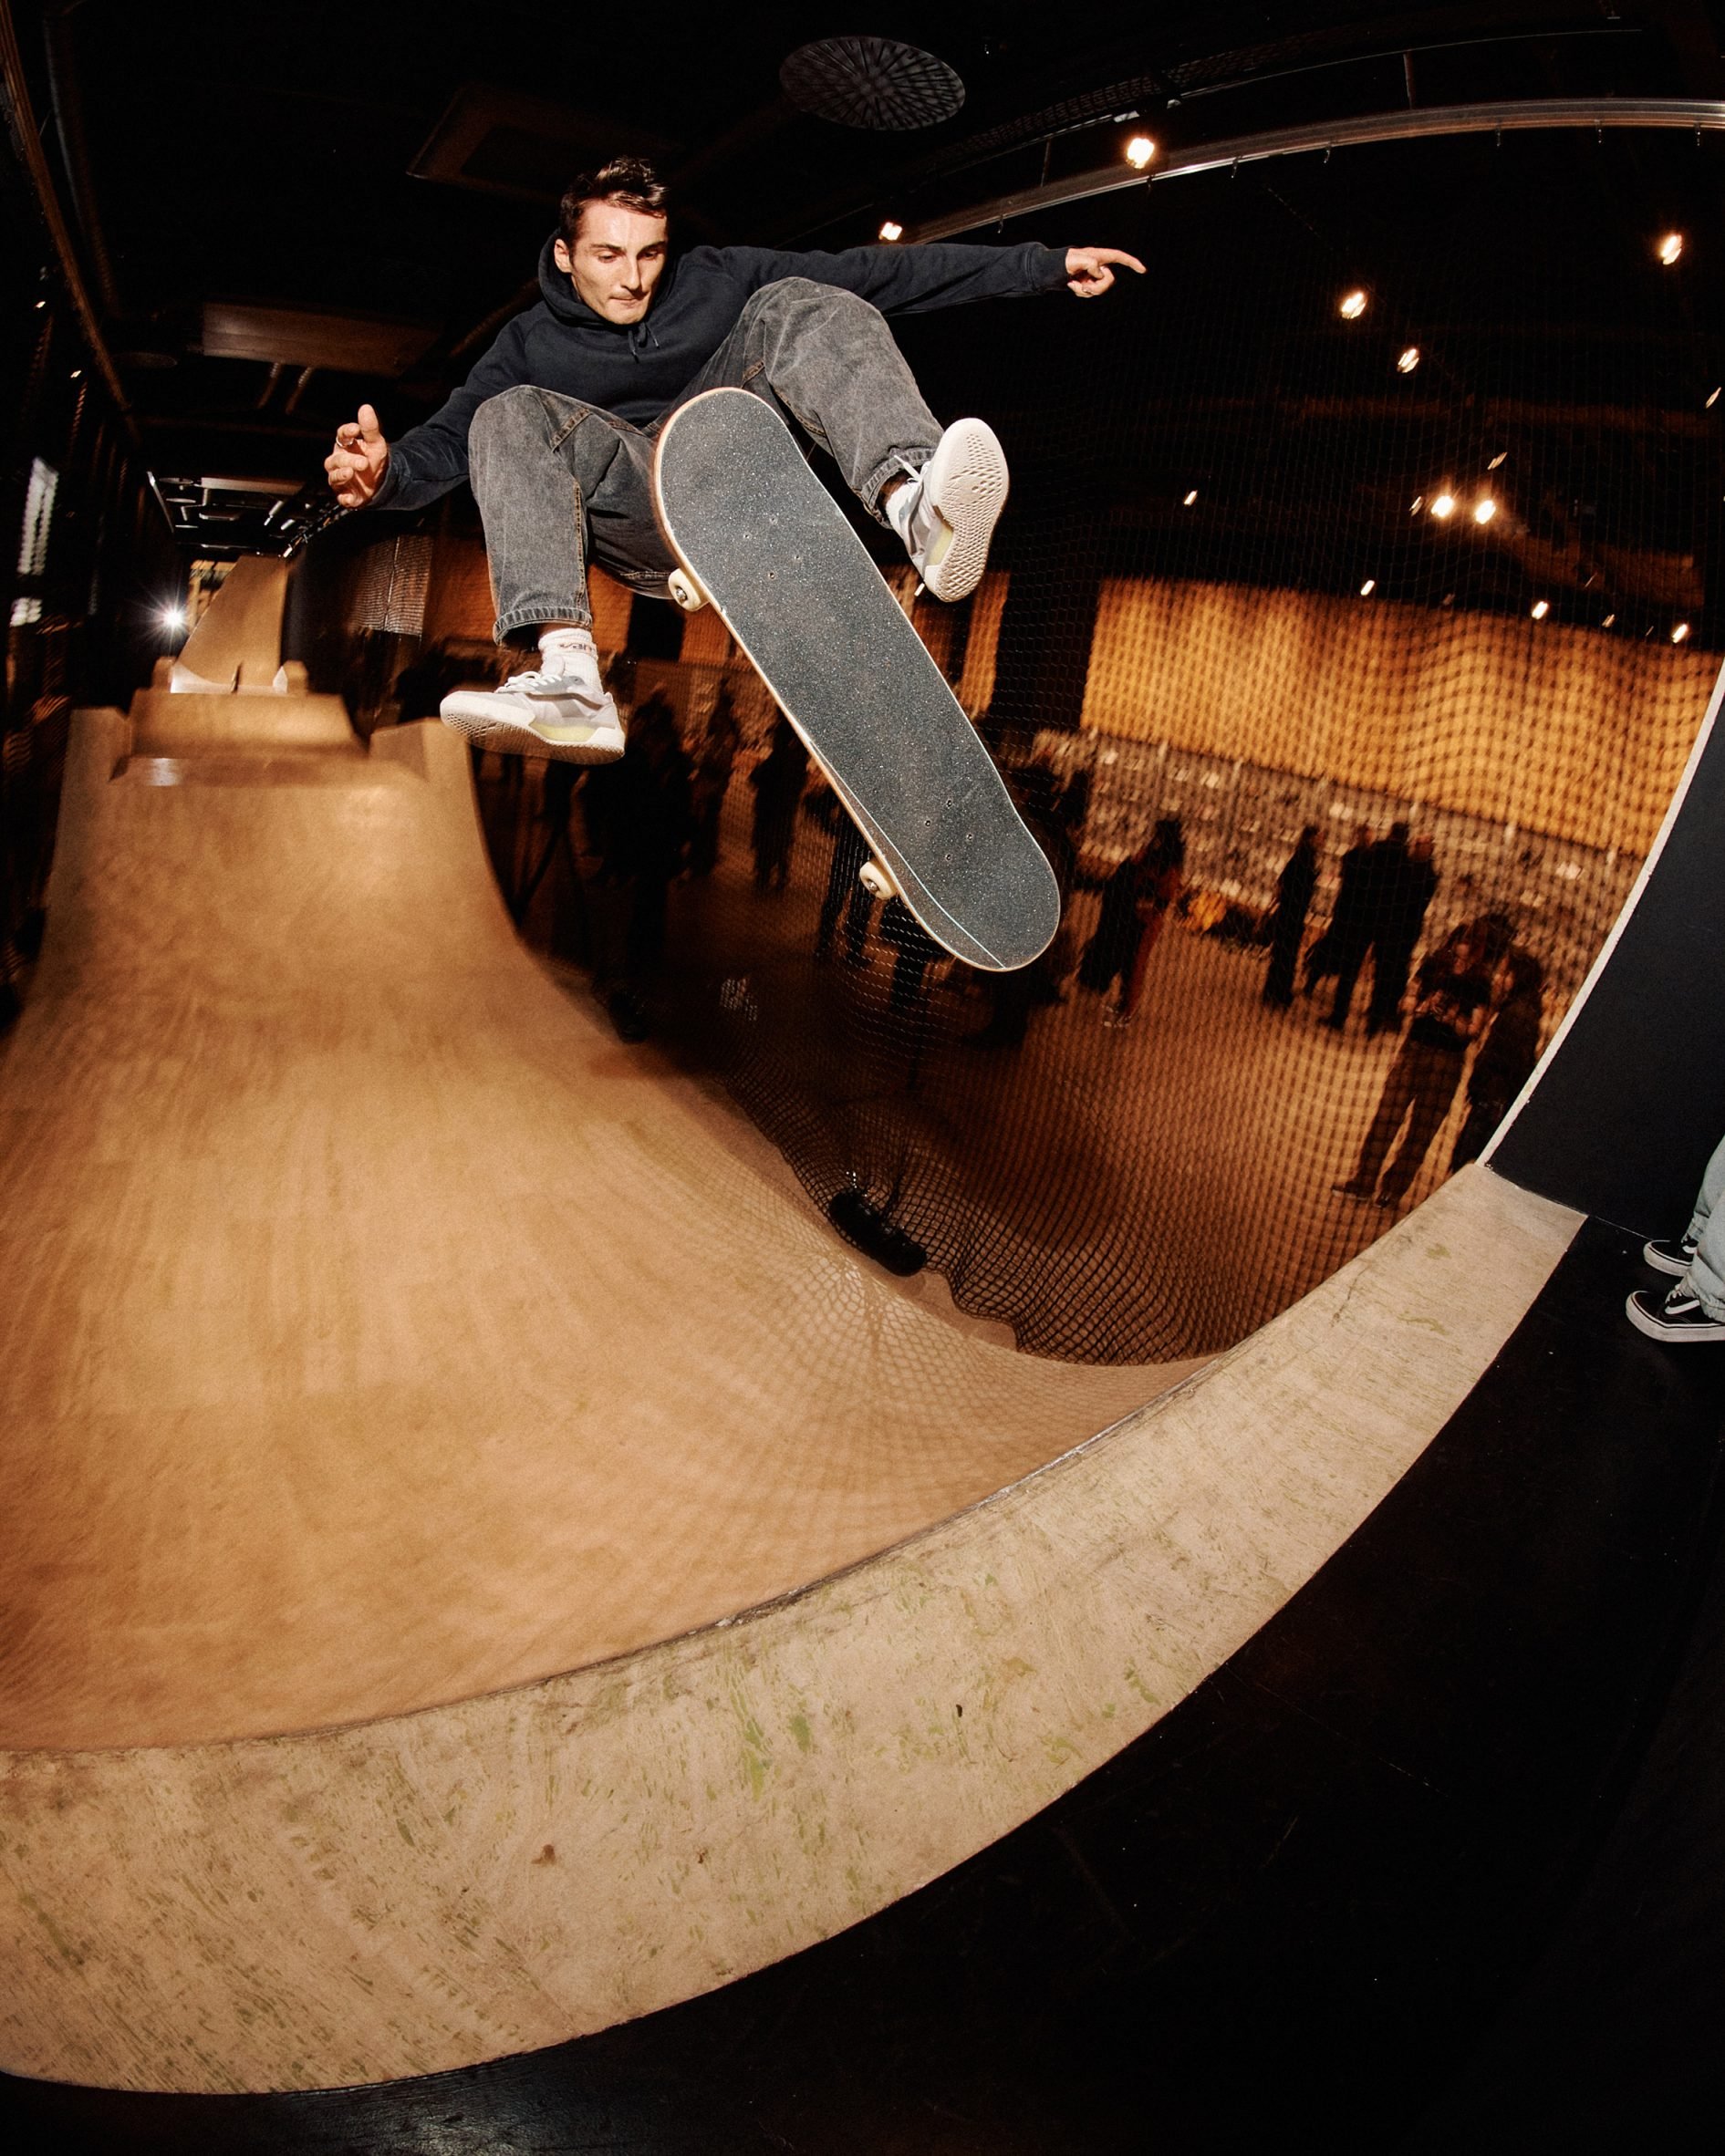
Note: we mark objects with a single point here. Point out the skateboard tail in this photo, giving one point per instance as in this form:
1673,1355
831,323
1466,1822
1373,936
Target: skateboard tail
939,922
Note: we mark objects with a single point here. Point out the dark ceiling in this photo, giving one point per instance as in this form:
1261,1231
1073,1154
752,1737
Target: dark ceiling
281,208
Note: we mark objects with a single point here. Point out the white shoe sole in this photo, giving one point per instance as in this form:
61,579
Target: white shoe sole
1660,1262
966,481
600,740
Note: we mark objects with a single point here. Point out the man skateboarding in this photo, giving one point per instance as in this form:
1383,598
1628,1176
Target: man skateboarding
554,427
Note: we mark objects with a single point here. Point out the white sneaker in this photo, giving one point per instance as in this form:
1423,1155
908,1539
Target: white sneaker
946,515
569,717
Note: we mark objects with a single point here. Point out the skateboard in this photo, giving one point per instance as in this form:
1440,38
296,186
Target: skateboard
759,536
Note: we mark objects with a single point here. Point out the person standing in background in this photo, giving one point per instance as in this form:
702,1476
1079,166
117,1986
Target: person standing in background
1294,888
1405,903
1453,989
713,767
777,779
1324,960
1161,879
1506,1056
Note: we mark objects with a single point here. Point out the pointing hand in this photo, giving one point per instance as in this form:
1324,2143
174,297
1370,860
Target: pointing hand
1089,272
356,464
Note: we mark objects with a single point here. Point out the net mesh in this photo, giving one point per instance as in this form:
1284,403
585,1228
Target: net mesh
1249,588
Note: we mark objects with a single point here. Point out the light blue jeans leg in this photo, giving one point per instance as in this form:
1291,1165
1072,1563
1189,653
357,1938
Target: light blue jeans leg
1707,1271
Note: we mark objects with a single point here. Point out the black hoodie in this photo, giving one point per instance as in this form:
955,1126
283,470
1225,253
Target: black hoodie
638,369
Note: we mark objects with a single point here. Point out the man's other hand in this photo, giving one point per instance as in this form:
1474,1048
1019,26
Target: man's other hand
356,465
1090,270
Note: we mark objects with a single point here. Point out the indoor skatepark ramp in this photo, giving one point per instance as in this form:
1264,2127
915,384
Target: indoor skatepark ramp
489,1564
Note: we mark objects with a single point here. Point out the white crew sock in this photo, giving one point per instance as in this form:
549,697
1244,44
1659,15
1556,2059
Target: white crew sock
567,651
900,505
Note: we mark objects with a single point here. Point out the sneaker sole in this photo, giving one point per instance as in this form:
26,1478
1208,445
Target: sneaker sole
1658,1259
563,744
1656,1327
967,483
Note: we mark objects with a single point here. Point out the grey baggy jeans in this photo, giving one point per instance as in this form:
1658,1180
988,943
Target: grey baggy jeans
560,482
1707,1225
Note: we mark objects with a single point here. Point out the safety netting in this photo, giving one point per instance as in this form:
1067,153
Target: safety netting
1344,641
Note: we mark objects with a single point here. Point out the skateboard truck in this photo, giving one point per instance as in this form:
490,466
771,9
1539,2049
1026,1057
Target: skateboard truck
687,593
876,880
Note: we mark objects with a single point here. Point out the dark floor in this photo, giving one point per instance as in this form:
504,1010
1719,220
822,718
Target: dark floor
1312,1905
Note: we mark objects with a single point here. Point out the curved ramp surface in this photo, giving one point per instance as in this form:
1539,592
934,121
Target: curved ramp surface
384,1331
392,1348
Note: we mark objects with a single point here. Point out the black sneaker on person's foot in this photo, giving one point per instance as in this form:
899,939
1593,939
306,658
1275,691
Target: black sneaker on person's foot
1670,1254
1678,1316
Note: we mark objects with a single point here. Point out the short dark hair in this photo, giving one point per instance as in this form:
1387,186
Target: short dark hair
628,180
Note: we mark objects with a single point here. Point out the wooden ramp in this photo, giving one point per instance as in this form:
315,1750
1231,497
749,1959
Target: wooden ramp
482,1560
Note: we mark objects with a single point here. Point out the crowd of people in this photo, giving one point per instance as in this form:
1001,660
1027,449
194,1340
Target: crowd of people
1477,991
1470,1013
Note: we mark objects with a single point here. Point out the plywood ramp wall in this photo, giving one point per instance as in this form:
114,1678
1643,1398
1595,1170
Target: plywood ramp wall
975,688
1565,731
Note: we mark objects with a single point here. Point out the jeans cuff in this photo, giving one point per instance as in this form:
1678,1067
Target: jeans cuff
576,613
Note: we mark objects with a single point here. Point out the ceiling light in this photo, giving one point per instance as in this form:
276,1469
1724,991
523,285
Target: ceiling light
889,230
1502,457
1711,401
1484,510
1542,607
1408,360
1353,306
173,617
1670,247
1139,151
1190,498
1417,503
1679,633
1607,621
1443,505
1368,587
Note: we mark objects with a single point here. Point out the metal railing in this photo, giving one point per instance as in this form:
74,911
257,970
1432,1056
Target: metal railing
1517,117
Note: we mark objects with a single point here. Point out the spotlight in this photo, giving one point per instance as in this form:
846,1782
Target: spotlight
1542,607
1670,247
1680,632
889,230
1443,505
1139,151
1484,510
1368,587
1190,499
1353,306
173,617
1408,360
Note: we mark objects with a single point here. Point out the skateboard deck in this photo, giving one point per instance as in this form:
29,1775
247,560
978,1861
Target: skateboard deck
761,539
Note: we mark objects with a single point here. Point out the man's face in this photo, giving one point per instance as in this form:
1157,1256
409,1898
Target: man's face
616,260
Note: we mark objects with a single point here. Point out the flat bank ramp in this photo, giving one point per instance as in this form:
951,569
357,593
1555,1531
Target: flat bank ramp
483,1560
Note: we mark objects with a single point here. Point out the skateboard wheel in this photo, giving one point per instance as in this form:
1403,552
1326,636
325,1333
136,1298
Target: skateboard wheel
878,880
687,593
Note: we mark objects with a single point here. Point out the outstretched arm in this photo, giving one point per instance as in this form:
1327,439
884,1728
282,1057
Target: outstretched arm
1090,270
429,459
